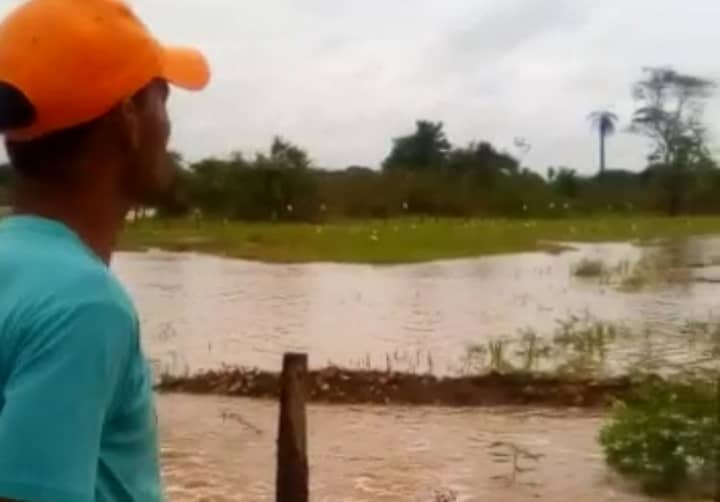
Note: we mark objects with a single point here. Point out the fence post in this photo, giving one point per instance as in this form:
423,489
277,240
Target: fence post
292,465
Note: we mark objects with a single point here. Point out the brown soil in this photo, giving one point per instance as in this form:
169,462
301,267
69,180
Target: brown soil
336,385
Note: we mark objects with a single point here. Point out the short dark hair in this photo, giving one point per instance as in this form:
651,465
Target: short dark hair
39,158
36,157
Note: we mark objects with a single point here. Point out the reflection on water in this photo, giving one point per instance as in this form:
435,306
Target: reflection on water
200,312
356,457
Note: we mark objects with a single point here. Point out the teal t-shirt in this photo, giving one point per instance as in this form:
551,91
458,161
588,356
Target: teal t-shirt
77,420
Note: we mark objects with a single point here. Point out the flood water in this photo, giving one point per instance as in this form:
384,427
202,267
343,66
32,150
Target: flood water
201,312
385,454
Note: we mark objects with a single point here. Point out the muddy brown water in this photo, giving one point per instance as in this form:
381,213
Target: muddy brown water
200,312
222,449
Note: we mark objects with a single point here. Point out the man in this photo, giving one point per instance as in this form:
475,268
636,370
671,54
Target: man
83,88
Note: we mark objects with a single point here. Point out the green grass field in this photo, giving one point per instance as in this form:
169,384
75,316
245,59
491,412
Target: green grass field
399,241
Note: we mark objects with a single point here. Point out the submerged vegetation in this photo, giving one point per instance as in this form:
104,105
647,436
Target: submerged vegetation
657,266
664,426
580,348
577,348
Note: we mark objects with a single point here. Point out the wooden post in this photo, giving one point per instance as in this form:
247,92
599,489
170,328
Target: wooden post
292,464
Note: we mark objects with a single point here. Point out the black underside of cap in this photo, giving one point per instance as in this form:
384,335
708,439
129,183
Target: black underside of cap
16,111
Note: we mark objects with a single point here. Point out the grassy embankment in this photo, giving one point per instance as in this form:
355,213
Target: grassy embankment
399,241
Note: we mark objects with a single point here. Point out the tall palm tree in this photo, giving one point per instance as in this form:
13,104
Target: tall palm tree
604,122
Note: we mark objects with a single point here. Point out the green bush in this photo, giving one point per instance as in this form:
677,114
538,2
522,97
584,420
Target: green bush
666,436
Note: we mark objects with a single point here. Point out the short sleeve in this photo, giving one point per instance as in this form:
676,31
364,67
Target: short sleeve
62,383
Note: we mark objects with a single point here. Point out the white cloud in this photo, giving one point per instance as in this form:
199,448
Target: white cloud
343,77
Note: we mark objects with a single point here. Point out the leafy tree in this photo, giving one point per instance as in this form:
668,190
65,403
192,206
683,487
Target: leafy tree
481,156
669,113
425,149
670,107
278,185
566,182
482,162
424,175
284,155
604,122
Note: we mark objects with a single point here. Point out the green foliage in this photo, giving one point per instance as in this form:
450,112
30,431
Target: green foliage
669,112
565,182
399,240
483,162
424,150
670,107
667,435
578,347
532,349
425,176
665,432
581,345
272,187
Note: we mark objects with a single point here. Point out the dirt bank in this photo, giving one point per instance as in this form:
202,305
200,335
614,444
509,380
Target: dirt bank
336,385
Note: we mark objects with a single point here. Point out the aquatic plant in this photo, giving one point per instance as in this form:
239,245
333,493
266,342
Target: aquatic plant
532,349
667,436
496,350
513,454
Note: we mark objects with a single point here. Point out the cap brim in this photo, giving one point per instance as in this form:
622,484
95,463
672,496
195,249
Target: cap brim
186,68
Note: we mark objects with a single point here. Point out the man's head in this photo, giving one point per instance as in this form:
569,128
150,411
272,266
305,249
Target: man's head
84,83
127,146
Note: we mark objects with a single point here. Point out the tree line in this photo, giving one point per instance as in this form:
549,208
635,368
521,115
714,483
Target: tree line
425,174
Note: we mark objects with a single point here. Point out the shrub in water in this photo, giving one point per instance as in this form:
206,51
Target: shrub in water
667,436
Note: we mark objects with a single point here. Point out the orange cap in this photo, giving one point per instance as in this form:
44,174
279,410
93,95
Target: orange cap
76,59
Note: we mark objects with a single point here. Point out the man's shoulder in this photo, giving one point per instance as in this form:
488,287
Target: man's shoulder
61,307
45,281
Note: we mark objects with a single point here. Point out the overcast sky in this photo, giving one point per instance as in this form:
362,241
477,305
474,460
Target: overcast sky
343,77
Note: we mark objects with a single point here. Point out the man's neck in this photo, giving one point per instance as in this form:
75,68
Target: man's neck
91,215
